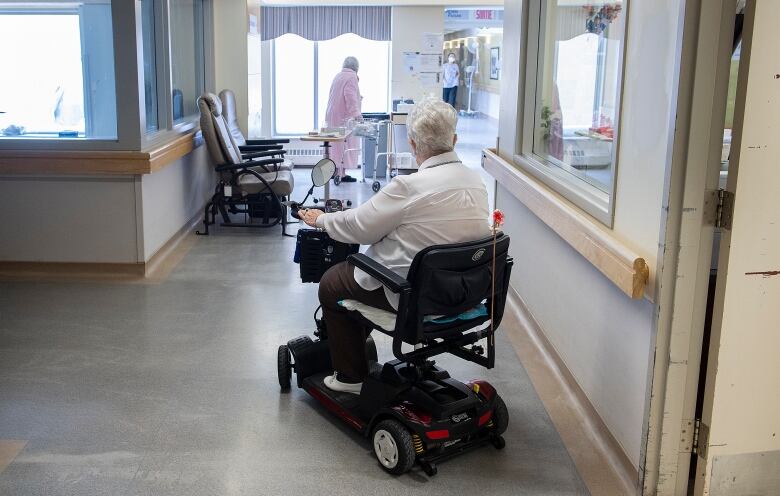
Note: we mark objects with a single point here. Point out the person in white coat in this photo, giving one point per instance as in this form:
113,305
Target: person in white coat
444,202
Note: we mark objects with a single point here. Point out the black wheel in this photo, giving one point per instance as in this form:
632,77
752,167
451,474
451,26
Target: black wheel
375,186
499,442
336,180
393,173
371,353
430,469
393,446
500,416
284,367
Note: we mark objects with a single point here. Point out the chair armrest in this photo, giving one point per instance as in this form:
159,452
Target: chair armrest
387,277
267,153
270,141
244,165
261,148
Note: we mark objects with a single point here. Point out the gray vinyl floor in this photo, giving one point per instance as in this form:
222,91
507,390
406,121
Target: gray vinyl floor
170,388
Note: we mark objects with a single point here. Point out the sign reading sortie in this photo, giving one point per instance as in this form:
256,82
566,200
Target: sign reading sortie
474,14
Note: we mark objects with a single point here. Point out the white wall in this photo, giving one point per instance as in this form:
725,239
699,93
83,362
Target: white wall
173,196
85,219
68,219
409,23
230,54
603,337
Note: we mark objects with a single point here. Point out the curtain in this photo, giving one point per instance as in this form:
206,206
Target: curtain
325,23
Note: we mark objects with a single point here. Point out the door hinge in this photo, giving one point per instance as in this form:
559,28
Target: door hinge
722,208
701,434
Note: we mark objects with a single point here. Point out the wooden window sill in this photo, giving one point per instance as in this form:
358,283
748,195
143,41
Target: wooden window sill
627,270
114,163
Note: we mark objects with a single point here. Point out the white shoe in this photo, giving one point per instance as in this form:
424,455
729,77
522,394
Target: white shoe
332,383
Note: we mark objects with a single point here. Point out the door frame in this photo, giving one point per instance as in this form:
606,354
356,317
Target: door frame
687,236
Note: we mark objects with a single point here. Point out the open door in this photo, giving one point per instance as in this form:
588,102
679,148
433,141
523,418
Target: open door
739,440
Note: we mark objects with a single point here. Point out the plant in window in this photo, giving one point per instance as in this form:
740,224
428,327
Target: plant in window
546,117
598,18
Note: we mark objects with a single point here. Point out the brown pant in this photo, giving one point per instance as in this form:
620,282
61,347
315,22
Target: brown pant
347,336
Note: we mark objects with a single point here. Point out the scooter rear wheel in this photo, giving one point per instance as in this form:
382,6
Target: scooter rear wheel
284,367
393,446
500,415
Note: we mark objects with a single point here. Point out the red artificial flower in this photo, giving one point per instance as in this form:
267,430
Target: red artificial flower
498,218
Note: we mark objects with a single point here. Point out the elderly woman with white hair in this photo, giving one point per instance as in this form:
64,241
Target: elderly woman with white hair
344,103
444,202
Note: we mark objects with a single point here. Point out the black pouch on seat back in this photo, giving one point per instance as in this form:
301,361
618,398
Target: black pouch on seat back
453,292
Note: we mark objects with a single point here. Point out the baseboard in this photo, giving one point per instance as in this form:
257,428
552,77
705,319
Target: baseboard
156,269
71,270
599,458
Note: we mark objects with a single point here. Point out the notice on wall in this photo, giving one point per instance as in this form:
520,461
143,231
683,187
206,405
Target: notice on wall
430,62
411,62
428,79
432,42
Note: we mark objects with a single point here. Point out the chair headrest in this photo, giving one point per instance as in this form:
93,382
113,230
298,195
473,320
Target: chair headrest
212,102
228,99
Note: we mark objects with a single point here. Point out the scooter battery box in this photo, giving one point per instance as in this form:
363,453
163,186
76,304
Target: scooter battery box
316,252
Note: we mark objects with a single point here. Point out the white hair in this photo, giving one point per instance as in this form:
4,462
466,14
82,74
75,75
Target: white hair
431,124
351,63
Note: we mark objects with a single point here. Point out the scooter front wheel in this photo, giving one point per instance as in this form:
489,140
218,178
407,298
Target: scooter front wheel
375,187
284,366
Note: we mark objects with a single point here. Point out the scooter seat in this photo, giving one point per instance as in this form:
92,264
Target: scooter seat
434,324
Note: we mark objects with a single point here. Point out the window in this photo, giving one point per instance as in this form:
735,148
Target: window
187,57
150,64
66,90
304,70
570,117
294,67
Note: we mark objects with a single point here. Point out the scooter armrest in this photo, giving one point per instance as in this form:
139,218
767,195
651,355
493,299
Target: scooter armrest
387,277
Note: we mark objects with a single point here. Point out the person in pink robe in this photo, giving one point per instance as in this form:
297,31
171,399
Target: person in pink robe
344,103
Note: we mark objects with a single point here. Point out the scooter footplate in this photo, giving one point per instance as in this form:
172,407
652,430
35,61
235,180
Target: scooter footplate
342,404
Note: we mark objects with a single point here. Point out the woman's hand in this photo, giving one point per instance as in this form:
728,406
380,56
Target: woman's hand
309,215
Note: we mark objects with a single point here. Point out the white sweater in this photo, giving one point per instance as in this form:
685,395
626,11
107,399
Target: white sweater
439,204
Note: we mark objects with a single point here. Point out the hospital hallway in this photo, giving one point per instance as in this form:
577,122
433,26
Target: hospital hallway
168,386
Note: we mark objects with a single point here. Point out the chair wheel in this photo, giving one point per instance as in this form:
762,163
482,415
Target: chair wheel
393,446
336,180
498,442
375,187
284,367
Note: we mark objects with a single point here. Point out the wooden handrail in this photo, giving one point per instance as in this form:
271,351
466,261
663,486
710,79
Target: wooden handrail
104,162
617,262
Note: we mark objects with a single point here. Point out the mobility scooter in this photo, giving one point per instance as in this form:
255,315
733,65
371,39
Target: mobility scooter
410,409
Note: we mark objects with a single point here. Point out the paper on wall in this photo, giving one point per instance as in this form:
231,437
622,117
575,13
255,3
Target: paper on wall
411,62
429,62
429,78
432,42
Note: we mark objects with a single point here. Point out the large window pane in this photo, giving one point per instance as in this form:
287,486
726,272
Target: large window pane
374,66
187,56
67,90
293,85
150,63
577,92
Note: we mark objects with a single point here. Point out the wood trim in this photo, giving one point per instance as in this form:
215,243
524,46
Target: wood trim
71,270
617,262
600,460
96,162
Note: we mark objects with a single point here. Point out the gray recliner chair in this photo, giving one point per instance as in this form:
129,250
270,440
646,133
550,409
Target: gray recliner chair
228,99
252,183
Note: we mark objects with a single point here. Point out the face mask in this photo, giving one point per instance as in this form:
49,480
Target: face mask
451,59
